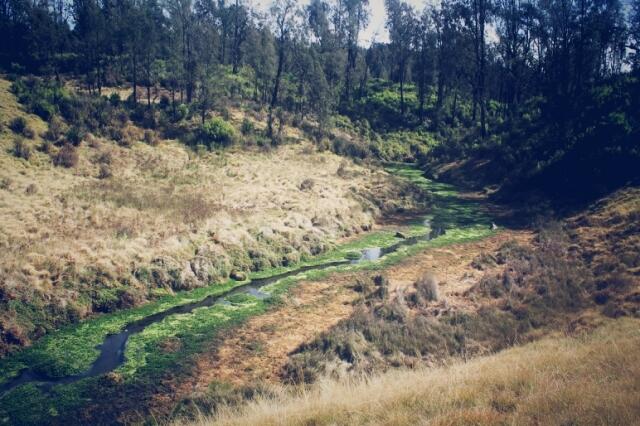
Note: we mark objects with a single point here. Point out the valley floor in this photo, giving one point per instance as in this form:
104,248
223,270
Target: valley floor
575,361
257,352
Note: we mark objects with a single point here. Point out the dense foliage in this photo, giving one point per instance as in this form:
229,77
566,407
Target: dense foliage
533,85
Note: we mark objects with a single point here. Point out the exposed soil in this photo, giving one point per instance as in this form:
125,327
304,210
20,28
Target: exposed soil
257,351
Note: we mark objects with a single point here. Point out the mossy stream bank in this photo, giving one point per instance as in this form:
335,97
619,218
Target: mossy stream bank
74,367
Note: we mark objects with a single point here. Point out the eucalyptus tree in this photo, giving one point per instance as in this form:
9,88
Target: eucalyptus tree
260,56
240,31
356,17
425,44
634,35
183,33
91,29
401,23
476,15
283,13
151,30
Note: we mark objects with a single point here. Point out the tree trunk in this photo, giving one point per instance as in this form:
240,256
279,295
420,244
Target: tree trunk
402,95
481,82
276,88
135,80
454,108
173,102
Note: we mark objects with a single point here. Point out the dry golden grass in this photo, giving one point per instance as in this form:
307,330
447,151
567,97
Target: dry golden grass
62,227
589,380
162,201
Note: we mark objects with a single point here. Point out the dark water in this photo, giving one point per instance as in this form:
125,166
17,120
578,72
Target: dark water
113,348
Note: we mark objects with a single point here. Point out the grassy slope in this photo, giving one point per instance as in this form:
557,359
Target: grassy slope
591,379
167,220
72,350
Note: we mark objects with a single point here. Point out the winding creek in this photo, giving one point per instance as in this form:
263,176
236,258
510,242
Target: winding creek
112,350
449,213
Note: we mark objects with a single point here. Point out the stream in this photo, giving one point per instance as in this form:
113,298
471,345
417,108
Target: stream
446,215
113,348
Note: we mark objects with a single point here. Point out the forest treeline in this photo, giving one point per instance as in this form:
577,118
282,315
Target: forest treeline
537,85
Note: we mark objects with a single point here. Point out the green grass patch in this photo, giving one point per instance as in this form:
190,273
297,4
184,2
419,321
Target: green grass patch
169,344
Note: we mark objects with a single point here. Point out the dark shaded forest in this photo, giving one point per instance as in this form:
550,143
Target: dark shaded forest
545,92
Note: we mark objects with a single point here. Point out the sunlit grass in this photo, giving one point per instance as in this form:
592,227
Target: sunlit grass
559,380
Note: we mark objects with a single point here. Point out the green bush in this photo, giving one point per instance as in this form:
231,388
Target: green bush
18,124
247,127
41,97
56,129
66,157
43,109
218,132
182,112
75,135
21,149
114,99
351,148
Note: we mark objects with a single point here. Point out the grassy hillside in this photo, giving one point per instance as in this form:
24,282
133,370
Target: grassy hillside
90,224
584,379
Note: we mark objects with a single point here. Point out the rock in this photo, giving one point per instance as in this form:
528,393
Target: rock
238,275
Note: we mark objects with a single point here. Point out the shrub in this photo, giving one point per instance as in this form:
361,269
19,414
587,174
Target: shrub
277,139
18,124
104,158
182,112
427,288
56,129
21,149
46,147
343,171
150,118
351,148
66,157
31,189
28,133
164,102
217,131
247,127
75,135
127,136
6,184
151,138
307,185
114,99
104,171
43,109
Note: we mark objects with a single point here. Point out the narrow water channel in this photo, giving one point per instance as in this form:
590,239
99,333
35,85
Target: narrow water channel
113,348
447,213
